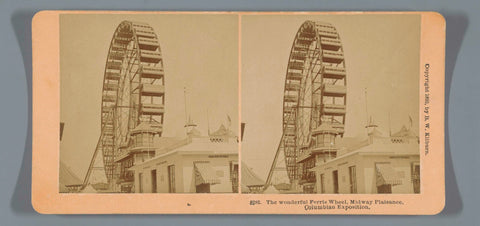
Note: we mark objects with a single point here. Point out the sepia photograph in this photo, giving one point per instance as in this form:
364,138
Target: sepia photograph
148,103
331,104
238,112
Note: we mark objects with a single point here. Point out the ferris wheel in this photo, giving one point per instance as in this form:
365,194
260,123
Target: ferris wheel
314,97
132,95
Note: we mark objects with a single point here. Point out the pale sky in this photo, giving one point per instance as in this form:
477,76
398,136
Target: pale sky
200,52
381,55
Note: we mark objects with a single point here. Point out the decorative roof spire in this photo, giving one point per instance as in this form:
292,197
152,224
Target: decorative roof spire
190,127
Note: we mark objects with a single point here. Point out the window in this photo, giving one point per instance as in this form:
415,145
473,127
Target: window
143,139
140,183
138,140
335,181
322,183
325,140
154,181
352,171
147,139
328,140
416,177
319,140
171,179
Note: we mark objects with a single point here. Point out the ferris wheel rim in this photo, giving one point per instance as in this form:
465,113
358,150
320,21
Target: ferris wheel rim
144,47
318,34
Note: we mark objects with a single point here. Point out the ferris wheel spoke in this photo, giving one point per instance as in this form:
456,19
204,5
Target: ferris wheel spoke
131,63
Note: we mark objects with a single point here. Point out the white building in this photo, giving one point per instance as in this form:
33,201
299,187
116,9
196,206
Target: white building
196,164
380,164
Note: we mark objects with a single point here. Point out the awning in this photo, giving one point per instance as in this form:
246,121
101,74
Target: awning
386,175
205,174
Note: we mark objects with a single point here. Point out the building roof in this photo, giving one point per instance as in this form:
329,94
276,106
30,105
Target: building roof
376,132
206,145
404,132
392,148
194,132
347,144
325,128
67,177
165,144
192,145
147,127
377,143
222,131
380,148
249,178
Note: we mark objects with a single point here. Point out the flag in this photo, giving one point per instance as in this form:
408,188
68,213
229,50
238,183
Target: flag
229,121
411,121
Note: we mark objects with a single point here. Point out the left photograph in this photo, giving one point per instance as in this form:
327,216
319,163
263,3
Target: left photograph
149,103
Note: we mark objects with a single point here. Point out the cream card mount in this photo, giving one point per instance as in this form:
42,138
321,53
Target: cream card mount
238,112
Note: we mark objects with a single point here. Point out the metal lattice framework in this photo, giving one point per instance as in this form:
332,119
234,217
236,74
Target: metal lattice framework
133,91
314,94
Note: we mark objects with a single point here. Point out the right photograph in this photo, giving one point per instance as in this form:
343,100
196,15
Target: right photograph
330,104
